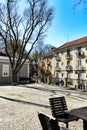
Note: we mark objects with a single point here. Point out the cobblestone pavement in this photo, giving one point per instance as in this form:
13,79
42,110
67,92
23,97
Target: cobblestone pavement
19,105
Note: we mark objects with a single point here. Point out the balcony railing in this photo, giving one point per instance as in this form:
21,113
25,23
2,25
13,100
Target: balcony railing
69,56
80,81
80,68
80,54
57,68
69,68
48,62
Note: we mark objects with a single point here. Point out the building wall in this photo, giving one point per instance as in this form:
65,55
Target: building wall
73,63
46,69
6,73
23,71
65,67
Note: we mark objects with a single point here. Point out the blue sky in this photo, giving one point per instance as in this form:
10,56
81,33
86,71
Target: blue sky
69,23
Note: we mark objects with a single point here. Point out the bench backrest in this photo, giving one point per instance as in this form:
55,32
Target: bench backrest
47,122
58,106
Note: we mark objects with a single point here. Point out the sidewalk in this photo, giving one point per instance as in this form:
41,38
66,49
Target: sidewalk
19,105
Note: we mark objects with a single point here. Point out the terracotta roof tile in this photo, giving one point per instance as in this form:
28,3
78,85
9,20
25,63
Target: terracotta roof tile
75,42
49,54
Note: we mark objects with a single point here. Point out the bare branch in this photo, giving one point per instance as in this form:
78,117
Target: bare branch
78,2
27,28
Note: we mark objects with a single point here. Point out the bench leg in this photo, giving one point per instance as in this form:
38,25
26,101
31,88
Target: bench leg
84,125
67,125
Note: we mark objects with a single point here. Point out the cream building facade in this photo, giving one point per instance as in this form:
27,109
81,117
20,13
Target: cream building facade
46,68
69,64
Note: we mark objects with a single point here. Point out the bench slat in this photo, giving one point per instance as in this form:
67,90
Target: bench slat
58,107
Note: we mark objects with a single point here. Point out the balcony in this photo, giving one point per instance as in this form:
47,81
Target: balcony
69,68
48,62
69,56
80,81
57,68
81,68
80,54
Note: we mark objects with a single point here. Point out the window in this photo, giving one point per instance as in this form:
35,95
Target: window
57,64
68,75
62,52
50,67
56,54
62,63
68,62
79,49
62,74
57,75
68,52
86,75
79,76
86,60
5,70
79,63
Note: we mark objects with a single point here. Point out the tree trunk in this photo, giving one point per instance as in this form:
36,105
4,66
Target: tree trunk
14,78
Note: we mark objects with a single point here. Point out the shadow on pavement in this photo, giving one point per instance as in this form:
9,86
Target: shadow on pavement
42,89
25,102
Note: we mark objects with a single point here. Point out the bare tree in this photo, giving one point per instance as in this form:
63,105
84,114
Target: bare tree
42,48
39,47
27,25
78,2
48,48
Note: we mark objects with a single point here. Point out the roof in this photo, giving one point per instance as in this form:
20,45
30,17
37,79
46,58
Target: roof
68,44
49,54
75,42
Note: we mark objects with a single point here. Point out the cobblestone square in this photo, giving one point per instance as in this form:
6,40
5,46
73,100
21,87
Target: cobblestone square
19,105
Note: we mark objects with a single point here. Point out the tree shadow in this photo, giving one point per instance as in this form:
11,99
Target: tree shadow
25,102
54,92
38,88
41,89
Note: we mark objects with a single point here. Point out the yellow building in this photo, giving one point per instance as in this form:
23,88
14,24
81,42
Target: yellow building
69,64
46,67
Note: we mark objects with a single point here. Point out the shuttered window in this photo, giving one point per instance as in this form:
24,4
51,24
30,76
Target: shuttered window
5,70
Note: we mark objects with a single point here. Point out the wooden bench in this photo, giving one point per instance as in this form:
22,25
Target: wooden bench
58,107
49,122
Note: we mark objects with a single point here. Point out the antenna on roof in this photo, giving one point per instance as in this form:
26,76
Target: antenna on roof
68,37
